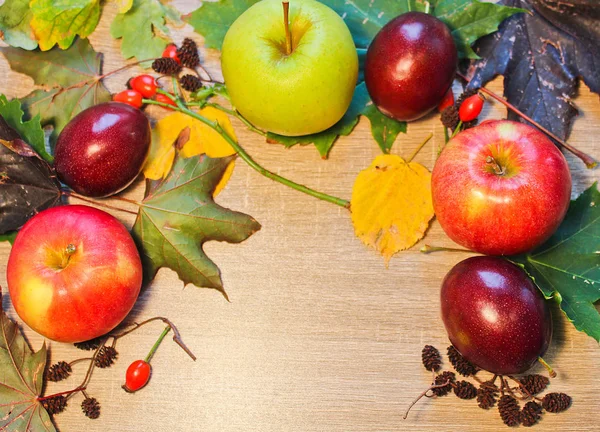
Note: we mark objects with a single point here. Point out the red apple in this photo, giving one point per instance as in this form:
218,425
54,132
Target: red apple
73,273
500,188
410,65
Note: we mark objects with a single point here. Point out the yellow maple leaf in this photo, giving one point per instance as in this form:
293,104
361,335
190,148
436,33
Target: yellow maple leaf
391,204
202,139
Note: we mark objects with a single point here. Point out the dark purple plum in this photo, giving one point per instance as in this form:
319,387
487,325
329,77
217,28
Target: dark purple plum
410,65
102,149
494,315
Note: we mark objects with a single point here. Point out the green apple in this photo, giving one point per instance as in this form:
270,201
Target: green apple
301,92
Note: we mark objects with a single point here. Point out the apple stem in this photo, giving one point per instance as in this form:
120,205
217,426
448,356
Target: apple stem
248,159
498,169
418,398
157,343
587,159
551,371
428,249
286,25
416,152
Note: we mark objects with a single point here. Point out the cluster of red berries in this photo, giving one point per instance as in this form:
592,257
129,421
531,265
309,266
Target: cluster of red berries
145,86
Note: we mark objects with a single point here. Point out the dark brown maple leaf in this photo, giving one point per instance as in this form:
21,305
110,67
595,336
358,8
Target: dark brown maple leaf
542,55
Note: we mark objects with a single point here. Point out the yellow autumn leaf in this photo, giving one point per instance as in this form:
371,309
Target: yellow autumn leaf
391,204
202,139
124,5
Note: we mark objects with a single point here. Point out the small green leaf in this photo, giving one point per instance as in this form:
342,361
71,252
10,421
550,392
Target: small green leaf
73,78
384,129
143,29
567,267
60,21
9,237
178,215
21,382
15,16
324,141
31,131
470,19
213,19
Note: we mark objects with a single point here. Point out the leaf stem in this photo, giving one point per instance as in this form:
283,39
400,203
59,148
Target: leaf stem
68,392
157,343
246,157
428,249
98,203
587,159
420,147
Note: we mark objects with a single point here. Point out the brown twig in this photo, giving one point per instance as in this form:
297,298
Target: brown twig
587,159
176,334
418,398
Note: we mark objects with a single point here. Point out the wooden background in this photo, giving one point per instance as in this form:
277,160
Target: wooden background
319,335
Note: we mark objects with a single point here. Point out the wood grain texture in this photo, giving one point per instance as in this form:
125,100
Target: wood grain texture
319,335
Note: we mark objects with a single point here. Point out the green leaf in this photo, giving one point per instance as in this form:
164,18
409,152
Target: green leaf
9,237
470,19
384,129
140,28
31,131
567,267
21,382
213,19
323,141
178,215
60,21
73,76
15,16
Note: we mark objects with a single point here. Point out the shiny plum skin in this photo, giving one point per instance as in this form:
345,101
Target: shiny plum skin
494,315
102,149
410,65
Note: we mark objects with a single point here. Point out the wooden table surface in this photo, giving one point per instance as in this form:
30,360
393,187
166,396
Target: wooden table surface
319,335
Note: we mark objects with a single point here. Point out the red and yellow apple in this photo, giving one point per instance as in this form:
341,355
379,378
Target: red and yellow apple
73,273
500,188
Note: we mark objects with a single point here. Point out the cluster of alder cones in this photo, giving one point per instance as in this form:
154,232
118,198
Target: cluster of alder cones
104,357
488,393
185,56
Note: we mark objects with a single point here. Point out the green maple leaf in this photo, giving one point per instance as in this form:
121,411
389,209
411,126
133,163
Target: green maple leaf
384,129
15,16
60,21
468,20
138,28
567,267
178,215
73,76
21,381
31,131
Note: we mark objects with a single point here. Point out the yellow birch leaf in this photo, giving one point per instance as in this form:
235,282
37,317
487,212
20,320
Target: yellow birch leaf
391,204
202,139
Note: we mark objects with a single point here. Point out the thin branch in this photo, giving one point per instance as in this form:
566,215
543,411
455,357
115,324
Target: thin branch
587,159
95,202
